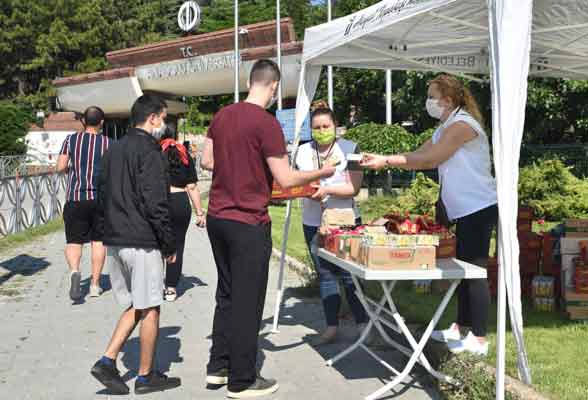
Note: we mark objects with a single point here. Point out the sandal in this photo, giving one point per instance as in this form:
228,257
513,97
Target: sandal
170,294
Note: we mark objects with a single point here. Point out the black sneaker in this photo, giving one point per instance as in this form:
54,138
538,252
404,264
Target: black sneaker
156,382
109,376
220,377
261,387
75,292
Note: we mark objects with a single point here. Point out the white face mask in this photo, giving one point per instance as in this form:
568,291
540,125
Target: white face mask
434,109
158,132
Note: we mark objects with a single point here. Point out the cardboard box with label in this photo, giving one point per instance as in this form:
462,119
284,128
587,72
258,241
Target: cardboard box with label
338,217
576,305
389,258
279,193
570,249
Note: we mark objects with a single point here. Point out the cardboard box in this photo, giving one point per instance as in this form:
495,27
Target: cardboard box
576,224
544,286
526,213
338,217
570,248
447,248
388,258
578,313
348,246
577,235
573,299
544,304
279,193
529,240
525,225
354,247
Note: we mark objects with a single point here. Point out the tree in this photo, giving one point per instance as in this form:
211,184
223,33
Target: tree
15,125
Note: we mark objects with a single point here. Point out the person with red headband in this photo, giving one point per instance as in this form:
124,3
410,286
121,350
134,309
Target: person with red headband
183,189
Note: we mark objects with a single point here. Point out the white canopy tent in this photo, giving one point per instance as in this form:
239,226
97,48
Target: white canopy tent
509,40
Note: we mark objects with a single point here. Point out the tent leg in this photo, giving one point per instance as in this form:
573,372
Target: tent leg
501,331
280,292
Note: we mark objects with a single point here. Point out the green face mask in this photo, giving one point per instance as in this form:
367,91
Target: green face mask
323,137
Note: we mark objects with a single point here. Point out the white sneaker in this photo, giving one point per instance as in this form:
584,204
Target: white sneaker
447,335
469,344
95,291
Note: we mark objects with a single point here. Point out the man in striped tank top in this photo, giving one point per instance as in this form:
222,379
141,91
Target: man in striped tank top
80,156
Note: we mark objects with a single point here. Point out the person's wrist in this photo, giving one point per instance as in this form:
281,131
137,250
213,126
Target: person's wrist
200,213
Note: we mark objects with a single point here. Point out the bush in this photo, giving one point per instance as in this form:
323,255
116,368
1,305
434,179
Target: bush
418,198
424,136
382,139
15,125
554,193
474,381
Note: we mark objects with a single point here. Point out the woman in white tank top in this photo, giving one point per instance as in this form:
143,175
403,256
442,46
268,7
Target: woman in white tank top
460,151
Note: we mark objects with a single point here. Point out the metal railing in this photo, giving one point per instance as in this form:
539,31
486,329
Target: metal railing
30,200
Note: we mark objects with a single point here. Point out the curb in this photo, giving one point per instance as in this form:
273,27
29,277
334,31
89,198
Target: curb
304,272
517,387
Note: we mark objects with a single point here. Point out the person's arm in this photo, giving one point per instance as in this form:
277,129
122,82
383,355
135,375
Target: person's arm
194,194
430,155
287,177
207,160
153,188
63,159
350,189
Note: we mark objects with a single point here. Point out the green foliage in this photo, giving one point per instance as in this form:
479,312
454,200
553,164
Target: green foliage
383,139
418,198
549,187
424,136
14,127
196,121
475,381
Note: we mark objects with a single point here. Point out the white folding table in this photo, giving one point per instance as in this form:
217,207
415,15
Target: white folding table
380,312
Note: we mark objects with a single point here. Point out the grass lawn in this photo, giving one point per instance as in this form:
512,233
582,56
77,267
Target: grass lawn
557,348
17,239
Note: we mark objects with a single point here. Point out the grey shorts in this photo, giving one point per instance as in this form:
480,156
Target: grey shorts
136,276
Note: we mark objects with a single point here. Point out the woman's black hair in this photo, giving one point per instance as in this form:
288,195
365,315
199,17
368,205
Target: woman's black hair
173,155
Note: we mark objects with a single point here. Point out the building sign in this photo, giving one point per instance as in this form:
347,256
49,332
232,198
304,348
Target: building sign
178,69
362,21
471,62
189,16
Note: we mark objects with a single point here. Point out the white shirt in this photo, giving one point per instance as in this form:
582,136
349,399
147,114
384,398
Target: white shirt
306,160
466,181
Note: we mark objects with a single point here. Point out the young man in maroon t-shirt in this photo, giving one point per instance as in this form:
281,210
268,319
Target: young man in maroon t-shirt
245,149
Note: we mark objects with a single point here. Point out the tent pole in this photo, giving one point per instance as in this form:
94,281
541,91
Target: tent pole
389,97
330,68
501,327
280,293
279,50
236,67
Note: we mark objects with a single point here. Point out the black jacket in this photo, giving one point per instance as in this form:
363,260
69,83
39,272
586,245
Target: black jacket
134,194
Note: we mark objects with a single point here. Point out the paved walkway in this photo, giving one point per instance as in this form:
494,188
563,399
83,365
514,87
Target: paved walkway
48,344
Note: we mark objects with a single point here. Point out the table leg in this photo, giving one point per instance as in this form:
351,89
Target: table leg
418,347
373,315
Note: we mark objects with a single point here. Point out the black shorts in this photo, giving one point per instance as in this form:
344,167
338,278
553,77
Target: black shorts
82,222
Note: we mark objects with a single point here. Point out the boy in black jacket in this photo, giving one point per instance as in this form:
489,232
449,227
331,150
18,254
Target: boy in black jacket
133,196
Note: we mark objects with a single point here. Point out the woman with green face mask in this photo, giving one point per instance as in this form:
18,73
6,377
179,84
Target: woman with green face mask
337,191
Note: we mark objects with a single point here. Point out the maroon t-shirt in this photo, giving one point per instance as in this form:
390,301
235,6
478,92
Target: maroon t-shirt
243,136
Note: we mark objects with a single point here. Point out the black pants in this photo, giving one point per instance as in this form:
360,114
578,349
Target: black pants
242,253
180,213
473,244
